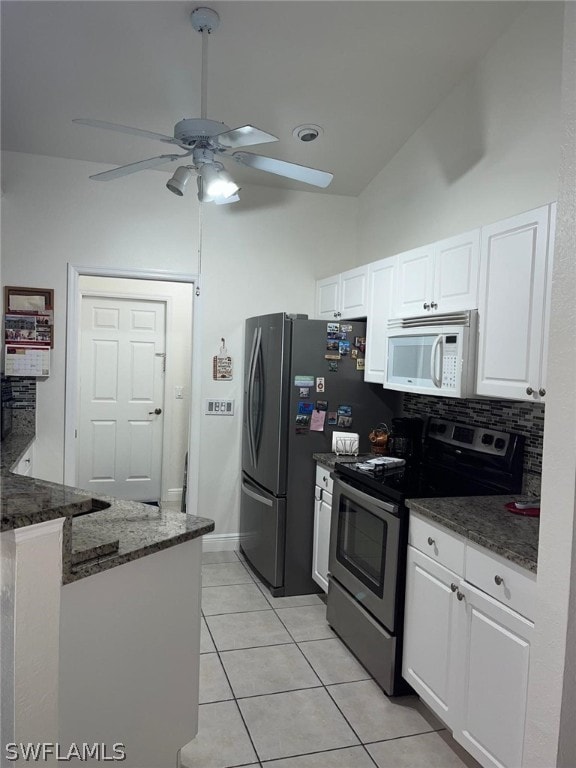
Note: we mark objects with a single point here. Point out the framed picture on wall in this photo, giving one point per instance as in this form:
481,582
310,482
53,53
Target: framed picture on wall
29,315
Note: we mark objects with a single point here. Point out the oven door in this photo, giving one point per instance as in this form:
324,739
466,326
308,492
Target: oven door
364,550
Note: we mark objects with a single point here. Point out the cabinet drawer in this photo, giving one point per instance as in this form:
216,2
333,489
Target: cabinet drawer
323,478
505,581
438,543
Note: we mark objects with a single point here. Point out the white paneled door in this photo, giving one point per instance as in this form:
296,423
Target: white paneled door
122,361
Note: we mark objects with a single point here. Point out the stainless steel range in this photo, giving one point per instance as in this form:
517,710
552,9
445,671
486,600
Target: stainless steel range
369,532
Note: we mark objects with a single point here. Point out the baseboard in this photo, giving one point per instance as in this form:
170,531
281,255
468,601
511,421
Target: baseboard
221,542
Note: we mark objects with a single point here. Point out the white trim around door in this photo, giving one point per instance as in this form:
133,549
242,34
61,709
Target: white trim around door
72,367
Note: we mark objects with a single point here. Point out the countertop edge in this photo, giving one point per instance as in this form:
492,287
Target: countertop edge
90,568
421,506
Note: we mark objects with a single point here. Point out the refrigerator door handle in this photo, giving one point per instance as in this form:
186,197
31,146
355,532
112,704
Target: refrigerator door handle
251,373
257,428
255,496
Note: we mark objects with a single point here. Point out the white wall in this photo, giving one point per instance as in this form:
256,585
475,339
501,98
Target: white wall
490,149
260,255
550,735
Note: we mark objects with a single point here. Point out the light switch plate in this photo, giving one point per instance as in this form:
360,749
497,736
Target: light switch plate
219,408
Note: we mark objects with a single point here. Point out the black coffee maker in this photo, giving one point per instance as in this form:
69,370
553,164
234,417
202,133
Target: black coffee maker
405,440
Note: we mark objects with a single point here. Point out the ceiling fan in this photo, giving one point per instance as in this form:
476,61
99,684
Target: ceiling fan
206,142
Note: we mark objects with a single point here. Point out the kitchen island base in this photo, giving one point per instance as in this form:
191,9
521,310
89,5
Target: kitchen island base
129,657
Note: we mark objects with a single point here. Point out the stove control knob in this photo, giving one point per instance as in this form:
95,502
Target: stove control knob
499,443
487,438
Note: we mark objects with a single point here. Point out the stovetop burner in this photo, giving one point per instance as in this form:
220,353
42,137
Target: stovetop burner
457,460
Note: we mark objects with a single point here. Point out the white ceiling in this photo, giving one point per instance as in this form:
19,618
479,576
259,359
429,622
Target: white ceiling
369,73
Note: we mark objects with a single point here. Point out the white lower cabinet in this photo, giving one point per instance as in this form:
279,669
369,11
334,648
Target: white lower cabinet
466,653
491,668
322,515
428,633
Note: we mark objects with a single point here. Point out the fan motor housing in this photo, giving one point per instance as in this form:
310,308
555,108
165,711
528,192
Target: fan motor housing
191,130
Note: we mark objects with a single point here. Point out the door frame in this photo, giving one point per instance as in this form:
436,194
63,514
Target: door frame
73,307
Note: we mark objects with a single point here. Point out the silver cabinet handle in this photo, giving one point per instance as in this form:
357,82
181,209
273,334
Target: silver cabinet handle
529,391
431,540
541,391
425,306
454,587
460,595
499,580
155,412
434,305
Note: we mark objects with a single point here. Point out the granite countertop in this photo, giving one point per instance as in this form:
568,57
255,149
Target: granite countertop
99,532
483,520
329,460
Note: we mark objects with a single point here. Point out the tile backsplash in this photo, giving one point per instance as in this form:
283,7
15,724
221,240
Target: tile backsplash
506,415
23,391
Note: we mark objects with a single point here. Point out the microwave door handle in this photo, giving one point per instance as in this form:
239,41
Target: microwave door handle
436,380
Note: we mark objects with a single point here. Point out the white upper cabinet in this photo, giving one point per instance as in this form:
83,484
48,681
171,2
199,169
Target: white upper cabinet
381,275
439,278
328,298
515,280
343,296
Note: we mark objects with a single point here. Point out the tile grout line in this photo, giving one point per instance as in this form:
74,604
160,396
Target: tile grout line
235,699
262,587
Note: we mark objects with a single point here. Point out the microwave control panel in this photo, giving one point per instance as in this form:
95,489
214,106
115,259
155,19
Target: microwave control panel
449,361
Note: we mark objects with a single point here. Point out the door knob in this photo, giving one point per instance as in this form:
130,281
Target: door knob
156,411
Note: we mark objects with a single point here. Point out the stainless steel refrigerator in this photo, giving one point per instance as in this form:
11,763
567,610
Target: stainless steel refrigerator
294,366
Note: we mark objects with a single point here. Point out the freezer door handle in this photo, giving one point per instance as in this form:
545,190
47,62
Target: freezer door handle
251,374
256,496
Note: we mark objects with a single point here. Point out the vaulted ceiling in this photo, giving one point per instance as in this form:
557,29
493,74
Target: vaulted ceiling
368,73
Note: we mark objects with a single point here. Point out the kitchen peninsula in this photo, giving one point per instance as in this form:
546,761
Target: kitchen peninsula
100,624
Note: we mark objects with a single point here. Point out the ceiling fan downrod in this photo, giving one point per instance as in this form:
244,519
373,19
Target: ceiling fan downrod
204,20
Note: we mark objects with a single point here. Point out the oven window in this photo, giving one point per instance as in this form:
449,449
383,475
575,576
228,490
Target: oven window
361,544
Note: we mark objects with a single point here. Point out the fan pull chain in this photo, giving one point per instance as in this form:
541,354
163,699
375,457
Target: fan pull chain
200,206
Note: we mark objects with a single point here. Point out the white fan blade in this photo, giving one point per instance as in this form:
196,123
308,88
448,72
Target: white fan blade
127,129
244,136
125,170
282,168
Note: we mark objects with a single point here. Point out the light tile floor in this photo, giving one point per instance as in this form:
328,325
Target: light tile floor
278,689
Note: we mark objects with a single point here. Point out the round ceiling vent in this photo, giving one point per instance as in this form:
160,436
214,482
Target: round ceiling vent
307,132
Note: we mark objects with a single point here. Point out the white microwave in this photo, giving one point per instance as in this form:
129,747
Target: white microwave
433,355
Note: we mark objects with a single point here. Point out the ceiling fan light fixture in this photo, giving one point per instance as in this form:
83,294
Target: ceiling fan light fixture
217,182
177,183
204,197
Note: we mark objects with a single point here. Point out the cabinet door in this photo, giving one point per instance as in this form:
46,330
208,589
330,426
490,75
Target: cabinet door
328,298
322,514
354,293
513,288
415,282
493,655
380,302
429,633
456,264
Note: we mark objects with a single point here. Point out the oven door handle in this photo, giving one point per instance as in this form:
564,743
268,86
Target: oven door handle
385,506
